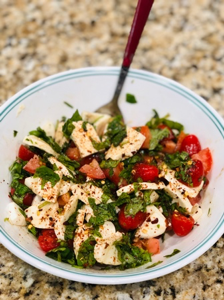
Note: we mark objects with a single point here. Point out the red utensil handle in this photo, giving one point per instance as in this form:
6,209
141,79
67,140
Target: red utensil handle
141,15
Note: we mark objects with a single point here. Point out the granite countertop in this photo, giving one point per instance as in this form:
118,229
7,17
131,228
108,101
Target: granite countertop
182,40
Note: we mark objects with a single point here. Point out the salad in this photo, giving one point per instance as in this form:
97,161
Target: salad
97,193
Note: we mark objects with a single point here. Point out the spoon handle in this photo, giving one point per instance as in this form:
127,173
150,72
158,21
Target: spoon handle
141,15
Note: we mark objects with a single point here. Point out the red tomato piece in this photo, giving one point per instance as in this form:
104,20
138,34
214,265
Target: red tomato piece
93,170
205,157
194,200
196,171
168,146
73,153
48,240
145,171
12,191
88,159
152,246
190,144
144,130
182,225
129,222
24,153
33,164
28,199
115,178
171,136
180,139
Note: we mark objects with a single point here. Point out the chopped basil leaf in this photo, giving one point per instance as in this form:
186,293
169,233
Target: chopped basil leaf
155,264
63,254
84,125
173,125
100,145
130,98
6,219
110,163
22,212
68,104
46,174
68,127
134,206
85,257
15,133
39,132
175,251
116,131
157,136
32,230
102,212
176,159
72,165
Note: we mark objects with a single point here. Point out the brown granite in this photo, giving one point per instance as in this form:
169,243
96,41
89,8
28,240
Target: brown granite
183,40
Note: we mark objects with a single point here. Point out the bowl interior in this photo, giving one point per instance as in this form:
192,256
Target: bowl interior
88,89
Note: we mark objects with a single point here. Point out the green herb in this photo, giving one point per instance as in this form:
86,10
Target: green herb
44,203
155,264
100,145
129,163
6,219
134,206
175,251
71,225
85,257
62,254
72,165
102,212
15,133
22,212
129,255
68,127
116,131
130,98
32,230
157,136
176,159
209,211
39,132
84,123
69,232
147,196
110,163
68,104
47,175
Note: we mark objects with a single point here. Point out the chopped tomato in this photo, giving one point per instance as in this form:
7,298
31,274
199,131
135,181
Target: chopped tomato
114,177
25,154
168,146
129,222
88,159
33,164
12,191
93,170
171,136
28,199
152,246
73,153
180,139
182,225
145,171
190,144
205,157
144,130
48,240
196,172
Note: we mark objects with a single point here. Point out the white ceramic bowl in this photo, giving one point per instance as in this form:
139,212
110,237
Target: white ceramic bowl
87,89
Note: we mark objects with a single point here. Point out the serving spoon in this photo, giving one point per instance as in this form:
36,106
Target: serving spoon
141,15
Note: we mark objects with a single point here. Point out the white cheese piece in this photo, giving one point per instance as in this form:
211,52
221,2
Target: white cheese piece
64,187
107,230
196,212
49,128
63,216
42,214
84,213
82,233
99,121
128,147
60,166
141,186
48,192
14,215
86,190
154,225
32,140
59,137
105,251
36,200
82,138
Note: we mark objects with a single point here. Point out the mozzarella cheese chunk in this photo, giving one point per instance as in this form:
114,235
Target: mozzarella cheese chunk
82,233
14,215
105,251
60,166
63,216
64,187
48,192
59,137
107,229
154,225
128,147
82,138
141,186
196,212
84,213
86,190
99,121
42,214
32,140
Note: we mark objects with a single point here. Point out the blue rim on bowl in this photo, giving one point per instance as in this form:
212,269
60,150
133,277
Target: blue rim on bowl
78,275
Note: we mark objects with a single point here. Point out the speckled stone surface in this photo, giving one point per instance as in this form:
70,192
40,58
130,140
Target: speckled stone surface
182,40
